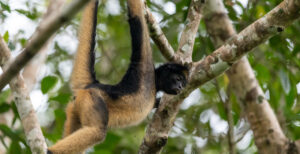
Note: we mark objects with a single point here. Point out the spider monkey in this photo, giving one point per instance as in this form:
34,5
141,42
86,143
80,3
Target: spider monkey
97,106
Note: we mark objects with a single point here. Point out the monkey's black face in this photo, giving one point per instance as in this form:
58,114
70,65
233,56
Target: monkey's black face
173,83
170,78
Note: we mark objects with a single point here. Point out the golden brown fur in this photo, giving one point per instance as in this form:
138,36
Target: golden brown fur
96,107
81,77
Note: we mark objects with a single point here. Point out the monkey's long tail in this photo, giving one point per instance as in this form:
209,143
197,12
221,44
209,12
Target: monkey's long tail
83,72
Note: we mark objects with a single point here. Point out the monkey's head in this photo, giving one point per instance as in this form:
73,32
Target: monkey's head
171,78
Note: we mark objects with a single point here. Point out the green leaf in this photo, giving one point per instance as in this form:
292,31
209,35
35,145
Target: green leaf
4,107
15,110
8,132
5,7
15,148
6,36
28,14
23,41
63,98
221,110
4,95
48,83
263,74
260,11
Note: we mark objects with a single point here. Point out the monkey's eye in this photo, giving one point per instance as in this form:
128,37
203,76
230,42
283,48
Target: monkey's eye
177,78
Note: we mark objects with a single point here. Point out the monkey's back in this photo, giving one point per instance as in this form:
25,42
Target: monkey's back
126,110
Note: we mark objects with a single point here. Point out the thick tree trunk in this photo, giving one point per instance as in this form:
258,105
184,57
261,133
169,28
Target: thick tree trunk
268,136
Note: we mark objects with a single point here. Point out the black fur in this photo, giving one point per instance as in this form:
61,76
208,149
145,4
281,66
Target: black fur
93,42
170,78
49,152
165,75
102,108
131,80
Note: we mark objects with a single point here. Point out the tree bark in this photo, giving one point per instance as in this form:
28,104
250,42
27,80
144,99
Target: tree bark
187,39
268,136
33,132
159,37
153,142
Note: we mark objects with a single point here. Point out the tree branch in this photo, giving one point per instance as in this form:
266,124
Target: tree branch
187,39
159,37
38,39
31,70
153,142
33,132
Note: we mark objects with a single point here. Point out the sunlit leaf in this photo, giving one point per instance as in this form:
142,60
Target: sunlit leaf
260,11
6,36
4,95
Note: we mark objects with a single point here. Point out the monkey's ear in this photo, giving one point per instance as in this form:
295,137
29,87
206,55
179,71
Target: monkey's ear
186,73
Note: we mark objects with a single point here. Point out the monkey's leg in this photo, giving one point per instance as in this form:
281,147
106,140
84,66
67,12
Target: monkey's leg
72,122
93,115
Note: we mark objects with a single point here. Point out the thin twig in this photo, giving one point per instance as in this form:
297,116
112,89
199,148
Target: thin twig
242,135
228,109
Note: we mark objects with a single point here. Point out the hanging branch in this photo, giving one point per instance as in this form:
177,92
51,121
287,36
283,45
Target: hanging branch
215,64
227,104
44,31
